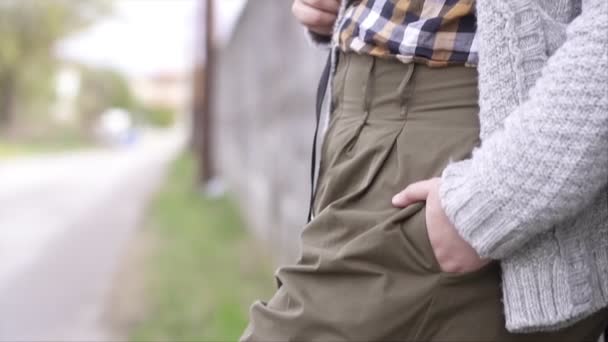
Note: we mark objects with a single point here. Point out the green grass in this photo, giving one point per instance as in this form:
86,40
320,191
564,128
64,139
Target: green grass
56,142
205,270
15,149
11,150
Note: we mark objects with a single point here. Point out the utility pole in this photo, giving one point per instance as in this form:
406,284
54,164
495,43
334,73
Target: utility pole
202,125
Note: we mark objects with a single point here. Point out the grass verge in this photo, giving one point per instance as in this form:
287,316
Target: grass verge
204,270
51,142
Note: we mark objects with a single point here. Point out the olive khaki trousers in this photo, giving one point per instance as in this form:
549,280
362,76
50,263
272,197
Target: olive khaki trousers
367,270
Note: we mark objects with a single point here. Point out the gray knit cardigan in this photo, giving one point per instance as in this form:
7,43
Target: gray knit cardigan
535,193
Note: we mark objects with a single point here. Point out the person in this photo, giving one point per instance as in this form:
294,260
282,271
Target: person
461,192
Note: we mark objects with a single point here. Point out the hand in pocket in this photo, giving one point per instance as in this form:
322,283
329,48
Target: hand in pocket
453,253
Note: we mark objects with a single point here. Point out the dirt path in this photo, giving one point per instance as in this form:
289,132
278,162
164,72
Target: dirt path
64,224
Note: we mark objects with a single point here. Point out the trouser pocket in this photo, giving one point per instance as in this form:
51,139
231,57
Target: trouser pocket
353,282
416,227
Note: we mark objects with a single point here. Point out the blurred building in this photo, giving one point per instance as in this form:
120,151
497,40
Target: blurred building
263,119
163,89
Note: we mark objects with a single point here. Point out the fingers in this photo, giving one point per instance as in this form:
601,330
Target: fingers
415,192
330,6
322,30
316,19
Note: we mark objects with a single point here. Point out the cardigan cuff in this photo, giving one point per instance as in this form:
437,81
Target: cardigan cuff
477,213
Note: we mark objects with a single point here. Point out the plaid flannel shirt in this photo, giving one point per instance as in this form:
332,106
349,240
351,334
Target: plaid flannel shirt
433,32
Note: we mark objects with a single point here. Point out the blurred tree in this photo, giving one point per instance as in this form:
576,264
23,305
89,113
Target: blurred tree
103,89
157,115
29,30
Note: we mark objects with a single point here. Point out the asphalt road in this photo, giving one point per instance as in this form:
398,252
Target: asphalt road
64,223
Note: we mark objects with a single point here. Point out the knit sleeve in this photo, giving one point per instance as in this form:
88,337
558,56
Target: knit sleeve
549,160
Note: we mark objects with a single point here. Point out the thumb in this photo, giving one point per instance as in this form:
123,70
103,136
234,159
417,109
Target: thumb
414,192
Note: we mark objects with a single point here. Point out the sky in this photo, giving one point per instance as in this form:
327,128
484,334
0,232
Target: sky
145,37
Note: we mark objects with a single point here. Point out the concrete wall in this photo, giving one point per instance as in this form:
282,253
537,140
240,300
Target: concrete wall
264,105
